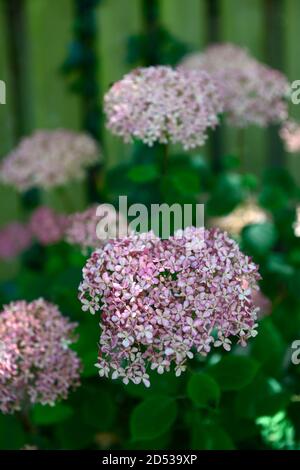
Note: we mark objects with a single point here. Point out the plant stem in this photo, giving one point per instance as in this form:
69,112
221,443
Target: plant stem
28,427
65,199
165,161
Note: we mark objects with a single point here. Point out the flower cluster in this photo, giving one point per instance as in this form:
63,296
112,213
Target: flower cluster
262,303
290,134
47,226
14,239
48,158
93,227
164,300
246,213
253,93
159,104
36,363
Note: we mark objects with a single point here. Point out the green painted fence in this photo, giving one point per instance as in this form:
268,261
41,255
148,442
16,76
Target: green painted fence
49,31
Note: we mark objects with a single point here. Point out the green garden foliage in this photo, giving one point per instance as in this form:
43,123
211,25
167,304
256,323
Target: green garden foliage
246,398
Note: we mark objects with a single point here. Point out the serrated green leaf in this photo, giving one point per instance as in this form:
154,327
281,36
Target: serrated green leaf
153,417
234,372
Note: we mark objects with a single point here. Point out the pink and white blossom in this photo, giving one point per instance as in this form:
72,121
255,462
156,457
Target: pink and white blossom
49,158
159,104
36,363
253,93
187,301
47,226
15,238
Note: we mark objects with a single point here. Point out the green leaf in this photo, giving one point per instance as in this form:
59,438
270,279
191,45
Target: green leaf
268,347
262,397
250,181
165,384
74,434
234,372
87,345
227,194
12,436
45,415
143,173
259,239
98,409
203,390
277,264
186,182
210,436
153,417
159,443
231,162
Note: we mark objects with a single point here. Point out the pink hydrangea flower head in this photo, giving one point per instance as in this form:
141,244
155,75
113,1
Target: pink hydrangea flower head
14,239
159,104
36,363
262,302
290,134
49,158
162,301
93,227
253,93
47,226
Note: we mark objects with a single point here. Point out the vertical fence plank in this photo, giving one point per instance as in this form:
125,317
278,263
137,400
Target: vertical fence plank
9,201
242,24
185,20
292,67
53,106
6,117
19,65
50,26
274,48
117,20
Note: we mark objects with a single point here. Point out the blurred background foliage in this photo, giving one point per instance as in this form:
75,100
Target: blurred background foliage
58,58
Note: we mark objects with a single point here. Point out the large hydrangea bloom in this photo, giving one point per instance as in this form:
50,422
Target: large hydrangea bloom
36,363
253,93
163,300
48,158
159,104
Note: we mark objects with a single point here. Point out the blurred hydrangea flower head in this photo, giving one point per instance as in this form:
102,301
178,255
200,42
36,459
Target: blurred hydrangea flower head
47,226
249,212
14,239
93,227
36,363
162,301
159,104
49,158
253,93
290,134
